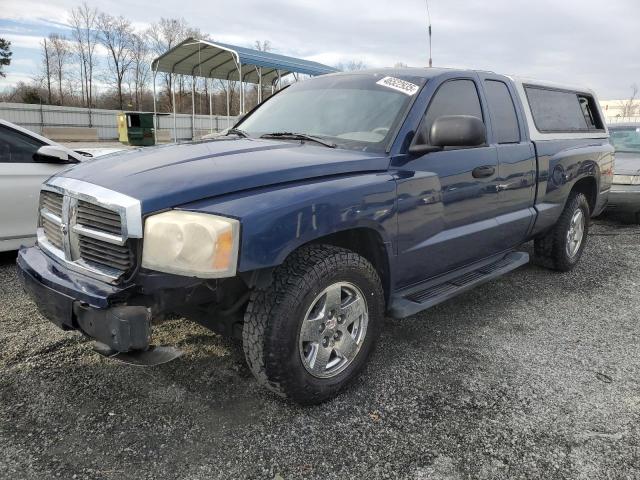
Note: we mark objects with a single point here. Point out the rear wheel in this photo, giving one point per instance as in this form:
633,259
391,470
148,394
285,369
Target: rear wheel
562,247
309,333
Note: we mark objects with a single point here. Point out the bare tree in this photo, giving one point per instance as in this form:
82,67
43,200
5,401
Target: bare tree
140,69
46,67
115,34
83,22
352,66
163,36
629,106
264,46
60,55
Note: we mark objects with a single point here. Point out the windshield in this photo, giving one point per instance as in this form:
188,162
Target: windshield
359,111
625,139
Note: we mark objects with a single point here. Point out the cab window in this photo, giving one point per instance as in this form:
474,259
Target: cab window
503,112
454,97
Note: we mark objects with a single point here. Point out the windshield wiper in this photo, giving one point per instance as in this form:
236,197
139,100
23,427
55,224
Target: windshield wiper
299,136
237,131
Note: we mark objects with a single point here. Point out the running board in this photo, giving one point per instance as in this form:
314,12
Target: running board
417,298
154,355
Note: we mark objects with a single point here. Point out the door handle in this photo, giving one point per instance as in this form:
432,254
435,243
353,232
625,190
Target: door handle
483,172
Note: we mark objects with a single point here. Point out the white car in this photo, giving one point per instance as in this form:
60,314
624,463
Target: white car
26,160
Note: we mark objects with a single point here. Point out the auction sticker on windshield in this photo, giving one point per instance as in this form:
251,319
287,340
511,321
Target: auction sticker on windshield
399,85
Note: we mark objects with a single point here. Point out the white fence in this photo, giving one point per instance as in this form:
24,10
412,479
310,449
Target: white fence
622,119
37,117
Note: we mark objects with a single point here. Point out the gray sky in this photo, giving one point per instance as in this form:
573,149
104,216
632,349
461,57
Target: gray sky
585,42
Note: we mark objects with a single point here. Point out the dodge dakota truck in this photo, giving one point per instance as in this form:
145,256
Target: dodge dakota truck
336,202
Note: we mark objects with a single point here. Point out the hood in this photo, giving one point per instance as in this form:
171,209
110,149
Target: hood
171,175
627,163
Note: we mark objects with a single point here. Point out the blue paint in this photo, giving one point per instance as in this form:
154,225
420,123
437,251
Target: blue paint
429,211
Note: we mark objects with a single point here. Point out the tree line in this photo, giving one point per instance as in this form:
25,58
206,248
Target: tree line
106,63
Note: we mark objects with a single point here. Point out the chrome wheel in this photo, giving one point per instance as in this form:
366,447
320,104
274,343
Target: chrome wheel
333,330
575,234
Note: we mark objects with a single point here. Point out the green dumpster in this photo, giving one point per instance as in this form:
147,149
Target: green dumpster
136,128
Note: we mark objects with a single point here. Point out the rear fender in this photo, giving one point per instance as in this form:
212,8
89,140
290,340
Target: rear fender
562,164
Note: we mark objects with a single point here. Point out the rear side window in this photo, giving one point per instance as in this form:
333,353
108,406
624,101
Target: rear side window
503,112
454,97
590,112
562,111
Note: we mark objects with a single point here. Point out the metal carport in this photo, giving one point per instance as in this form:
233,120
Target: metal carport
221,61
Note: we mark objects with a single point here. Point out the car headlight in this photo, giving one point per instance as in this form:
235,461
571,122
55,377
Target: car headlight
191,244
626,179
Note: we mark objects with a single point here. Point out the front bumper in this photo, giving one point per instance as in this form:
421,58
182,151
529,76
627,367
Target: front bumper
74,302
624,198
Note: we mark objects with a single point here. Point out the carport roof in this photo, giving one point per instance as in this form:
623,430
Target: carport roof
208,59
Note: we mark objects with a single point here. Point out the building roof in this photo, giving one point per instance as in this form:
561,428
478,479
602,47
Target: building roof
209,59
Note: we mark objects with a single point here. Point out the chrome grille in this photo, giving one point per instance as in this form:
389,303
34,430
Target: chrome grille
52,201
117,257
53,232
51,217
87,229
94,216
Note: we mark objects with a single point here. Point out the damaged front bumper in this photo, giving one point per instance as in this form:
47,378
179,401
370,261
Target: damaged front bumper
75,302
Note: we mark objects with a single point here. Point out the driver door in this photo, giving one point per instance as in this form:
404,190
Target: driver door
447,200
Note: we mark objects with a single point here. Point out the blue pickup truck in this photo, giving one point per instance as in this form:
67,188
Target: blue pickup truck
338,201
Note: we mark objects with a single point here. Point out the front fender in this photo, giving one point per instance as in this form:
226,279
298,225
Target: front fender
276,220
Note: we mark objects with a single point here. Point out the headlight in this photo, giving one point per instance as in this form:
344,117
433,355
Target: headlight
191,244
626,179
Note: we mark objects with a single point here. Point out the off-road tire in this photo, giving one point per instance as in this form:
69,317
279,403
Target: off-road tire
274,315
550,250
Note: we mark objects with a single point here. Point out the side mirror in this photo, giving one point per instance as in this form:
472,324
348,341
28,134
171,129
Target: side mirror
52,154
450,131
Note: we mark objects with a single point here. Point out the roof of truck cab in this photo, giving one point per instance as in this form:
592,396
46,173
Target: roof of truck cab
421,72
432,72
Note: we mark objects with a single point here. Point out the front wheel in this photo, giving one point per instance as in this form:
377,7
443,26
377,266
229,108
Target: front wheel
562,247
309,333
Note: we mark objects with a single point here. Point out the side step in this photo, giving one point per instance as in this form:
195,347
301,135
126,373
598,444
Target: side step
417,298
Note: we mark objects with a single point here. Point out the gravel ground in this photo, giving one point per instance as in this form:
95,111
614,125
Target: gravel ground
535,375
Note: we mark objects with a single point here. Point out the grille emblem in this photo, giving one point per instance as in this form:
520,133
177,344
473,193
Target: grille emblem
64,228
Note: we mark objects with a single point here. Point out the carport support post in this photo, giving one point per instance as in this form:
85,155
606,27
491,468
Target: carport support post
193,107
155,111
210,85
173,96
228,103
241,108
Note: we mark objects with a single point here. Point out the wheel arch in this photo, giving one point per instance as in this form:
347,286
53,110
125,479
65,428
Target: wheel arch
368,243
588,186
365,241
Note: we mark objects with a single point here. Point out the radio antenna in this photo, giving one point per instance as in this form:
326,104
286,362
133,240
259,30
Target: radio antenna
429,21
